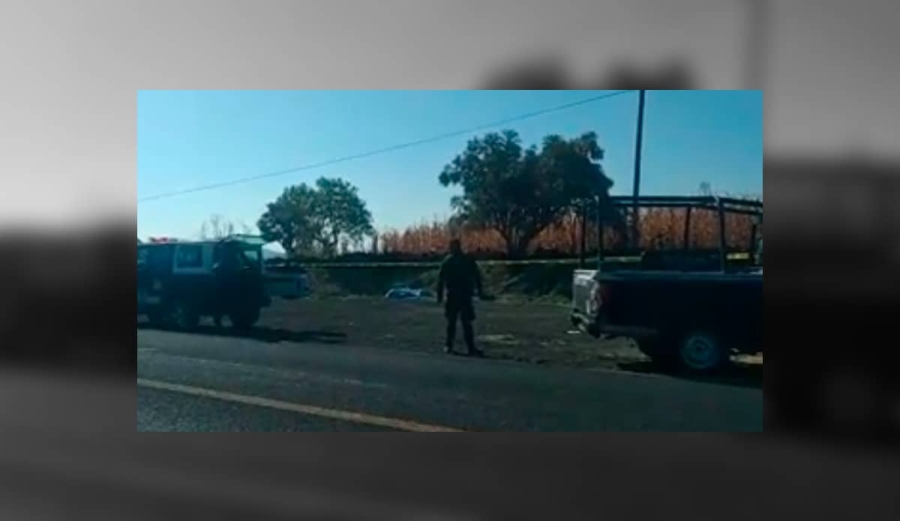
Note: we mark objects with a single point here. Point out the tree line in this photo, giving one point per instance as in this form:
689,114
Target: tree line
516,201
508,188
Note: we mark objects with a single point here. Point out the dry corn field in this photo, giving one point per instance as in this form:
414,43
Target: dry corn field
657,227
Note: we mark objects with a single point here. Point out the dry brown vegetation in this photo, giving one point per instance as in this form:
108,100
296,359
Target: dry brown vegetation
656,226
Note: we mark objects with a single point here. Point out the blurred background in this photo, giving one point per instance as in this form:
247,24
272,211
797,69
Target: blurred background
67,203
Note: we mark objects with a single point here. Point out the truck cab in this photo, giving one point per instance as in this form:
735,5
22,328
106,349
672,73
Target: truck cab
181,281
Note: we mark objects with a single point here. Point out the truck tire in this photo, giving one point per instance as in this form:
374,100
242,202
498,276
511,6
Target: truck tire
182,316
245,319
702,352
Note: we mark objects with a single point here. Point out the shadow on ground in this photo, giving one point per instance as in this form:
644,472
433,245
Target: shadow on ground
739,374
266,334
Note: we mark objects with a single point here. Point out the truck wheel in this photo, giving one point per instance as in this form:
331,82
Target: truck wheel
181,316
245,319
701,352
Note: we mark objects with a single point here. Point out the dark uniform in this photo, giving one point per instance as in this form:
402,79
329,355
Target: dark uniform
224,268
460,276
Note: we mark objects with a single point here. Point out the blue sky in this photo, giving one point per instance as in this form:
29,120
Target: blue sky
187,139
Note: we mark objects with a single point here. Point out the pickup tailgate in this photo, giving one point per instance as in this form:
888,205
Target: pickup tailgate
585,304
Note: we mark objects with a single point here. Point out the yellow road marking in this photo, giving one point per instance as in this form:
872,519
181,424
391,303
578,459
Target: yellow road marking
335,414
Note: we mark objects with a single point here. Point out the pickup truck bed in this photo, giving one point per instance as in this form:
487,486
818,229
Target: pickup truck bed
696,319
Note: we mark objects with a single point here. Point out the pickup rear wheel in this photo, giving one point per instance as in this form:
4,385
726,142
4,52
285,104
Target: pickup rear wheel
702,352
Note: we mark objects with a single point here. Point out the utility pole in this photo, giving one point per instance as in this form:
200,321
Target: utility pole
635,225
582,221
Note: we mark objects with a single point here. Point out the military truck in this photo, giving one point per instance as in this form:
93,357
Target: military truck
181,281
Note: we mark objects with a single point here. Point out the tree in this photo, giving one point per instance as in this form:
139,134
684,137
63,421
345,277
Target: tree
288,221
340,214
584,185
518,191
315,219
217,227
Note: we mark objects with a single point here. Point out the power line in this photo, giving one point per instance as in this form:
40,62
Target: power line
385,150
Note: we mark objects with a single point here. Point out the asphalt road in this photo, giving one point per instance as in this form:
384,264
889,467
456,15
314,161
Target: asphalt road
209,383
69,451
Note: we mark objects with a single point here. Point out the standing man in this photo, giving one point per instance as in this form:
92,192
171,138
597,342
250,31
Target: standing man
459,274
224,266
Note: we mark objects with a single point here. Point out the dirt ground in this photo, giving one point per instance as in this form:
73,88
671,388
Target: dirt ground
532,332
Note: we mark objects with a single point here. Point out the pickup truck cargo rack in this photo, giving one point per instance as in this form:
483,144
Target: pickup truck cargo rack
721,205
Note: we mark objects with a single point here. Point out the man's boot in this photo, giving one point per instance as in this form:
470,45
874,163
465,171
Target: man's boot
450,337
469,334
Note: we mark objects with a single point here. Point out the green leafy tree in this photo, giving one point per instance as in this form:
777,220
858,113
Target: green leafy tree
520,191
313,220
287,220
340,215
